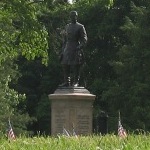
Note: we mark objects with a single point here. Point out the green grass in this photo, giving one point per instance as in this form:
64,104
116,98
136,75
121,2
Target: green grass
108,142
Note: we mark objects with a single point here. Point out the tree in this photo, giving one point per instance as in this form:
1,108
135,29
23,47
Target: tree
10,100
130,91
21,34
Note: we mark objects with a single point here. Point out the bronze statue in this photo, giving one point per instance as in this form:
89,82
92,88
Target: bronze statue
74,40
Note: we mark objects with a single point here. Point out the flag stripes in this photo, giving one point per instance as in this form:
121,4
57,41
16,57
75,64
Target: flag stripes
10,132
121,131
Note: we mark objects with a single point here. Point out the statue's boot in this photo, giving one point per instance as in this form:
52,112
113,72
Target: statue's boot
76,82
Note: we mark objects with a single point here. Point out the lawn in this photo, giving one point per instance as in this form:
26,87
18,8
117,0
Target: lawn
95,142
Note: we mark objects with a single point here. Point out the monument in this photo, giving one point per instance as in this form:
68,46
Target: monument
71,104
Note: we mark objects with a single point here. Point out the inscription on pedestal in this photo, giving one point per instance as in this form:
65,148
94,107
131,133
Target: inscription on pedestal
83,124
84,119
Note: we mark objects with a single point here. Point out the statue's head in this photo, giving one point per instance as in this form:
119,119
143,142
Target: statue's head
73,16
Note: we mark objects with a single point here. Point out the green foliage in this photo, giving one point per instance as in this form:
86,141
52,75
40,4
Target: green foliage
44,118
131,89
10,100
21,33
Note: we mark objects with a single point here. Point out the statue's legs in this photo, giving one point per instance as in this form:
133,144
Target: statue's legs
67,73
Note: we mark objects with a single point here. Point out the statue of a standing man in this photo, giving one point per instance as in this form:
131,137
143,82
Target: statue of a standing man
75,38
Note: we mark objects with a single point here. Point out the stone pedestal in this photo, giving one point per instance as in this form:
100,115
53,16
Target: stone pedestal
71,108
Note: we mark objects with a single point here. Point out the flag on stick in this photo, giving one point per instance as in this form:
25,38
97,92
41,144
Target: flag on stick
10,132
65,132
121,131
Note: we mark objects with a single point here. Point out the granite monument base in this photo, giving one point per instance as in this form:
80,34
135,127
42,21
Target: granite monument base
71,108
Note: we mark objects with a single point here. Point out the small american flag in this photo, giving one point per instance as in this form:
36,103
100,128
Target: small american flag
10,132
121,131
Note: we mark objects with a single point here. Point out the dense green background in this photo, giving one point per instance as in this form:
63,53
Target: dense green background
117,60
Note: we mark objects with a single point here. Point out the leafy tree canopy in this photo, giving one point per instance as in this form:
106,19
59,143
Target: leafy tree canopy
21,33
